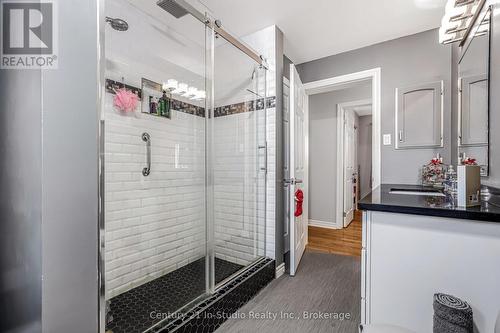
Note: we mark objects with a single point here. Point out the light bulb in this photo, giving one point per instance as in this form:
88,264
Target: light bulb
181,88
170,85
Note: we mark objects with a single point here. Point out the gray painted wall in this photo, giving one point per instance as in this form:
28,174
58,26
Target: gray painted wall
20,207
323,149
365,154
405,61
70,174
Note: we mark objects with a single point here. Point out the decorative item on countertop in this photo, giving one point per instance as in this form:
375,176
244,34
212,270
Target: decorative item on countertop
450,181
433,173
469,161
469,185
452,315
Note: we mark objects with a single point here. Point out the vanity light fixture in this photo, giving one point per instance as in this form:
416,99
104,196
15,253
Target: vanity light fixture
458,20
170,85
182,88
191,92
200,95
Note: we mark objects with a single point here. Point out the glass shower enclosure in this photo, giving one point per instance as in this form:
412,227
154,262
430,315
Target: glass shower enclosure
183,162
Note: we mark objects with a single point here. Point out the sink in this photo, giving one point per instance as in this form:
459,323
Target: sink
416,191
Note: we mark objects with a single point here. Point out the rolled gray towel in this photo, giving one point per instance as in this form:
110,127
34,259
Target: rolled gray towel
452,311
443,326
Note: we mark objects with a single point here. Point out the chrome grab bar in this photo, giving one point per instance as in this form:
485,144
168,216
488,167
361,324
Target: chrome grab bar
147,138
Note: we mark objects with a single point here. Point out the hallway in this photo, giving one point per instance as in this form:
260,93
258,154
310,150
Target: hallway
325,284
345,241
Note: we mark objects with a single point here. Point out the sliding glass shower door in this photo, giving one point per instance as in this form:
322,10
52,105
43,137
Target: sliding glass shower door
238,160
184,156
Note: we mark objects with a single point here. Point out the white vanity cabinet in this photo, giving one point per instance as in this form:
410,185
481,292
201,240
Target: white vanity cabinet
406,259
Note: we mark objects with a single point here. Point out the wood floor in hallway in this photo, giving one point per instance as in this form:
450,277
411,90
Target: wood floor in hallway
345,241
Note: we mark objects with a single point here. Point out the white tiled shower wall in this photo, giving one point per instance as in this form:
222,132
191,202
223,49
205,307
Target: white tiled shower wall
240,187
154,224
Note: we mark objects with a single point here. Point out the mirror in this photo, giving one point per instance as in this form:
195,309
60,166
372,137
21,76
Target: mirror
473,95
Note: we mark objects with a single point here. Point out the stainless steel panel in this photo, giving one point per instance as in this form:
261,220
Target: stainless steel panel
20,207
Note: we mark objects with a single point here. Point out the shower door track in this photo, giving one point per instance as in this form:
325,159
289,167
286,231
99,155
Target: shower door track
221,32
234,276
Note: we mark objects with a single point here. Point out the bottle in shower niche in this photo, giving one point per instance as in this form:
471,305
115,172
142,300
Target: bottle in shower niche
153,105
163,105
166,105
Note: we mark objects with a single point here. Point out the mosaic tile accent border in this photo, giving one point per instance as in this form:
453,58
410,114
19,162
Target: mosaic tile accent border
112,85
245,107
214,311
187,108
199,111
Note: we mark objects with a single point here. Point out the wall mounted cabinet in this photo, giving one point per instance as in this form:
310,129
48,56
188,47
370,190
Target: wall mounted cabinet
419,116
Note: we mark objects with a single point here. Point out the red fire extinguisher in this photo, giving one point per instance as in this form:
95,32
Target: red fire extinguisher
299,199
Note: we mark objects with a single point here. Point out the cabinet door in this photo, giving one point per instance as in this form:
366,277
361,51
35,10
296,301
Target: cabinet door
473,110
419,116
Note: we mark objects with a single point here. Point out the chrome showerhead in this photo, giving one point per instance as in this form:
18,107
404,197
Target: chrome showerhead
117,24
173,8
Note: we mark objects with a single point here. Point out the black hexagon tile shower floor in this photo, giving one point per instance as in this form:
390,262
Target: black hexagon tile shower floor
140,308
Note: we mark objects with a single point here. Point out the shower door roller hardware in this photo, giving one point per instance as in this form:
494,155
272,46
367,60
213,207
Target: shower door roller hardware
264,146
292,181
147,138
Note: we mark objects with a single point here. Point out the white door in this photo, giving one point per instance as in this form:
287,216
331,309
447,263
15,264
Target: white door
349,166
298,170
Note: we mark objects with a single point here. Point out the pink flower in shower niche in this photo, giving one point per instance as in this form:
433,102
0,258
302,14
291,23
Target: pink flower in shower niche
125,100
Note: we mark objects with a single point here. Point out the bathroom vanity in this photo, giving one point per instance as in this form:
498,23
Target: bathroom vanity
417,242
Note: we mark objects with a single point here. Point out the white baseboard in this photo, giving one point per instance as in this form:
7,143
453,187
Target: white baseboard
324,224
280,270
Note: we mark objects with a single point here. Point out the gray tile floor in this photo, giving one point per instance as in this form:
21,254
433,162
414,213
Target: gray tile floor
324,284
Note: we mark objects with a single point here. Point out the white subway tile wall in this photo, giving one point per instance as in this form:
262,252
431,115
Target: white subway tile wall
239,187
154,224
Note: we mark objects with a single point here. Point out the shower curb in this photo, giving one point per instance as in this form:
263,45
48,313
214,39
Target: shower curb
214,311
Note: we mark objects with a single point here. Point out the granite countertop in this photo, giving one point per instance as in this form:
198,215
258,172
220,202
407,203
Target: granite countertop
381,200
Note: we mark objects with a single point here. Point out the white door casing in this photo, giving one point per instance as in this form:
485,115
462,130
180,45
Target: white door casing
298,169
349,169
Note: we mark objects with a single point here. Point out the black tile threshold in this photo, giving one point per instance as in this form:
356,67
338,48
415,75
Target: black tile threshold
135,310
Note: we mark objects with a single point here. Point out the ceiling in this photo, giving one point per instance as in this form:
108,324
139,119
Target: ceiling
317,28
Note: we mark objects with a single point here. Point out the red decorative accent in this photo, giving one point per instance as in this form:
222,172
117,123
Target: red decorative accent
469,161
436,161
299,199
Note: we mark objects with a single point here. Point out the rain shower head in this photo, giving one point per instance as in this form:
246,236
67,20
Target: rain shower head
173,8
117,24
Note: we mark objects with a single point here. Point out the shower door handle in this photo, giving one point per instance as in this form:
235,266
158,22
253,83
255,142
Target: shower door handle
147,138
264,146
